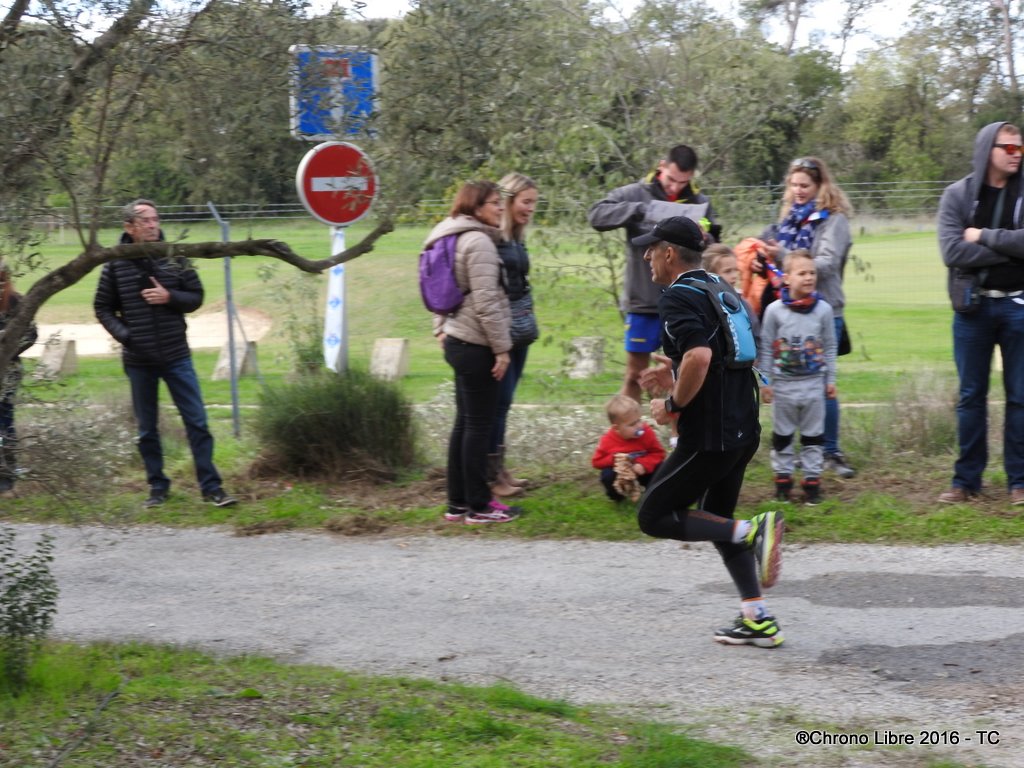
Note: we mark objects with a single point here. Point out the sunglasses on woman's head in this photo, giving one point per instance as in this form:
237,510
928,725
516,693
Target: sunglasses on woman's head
803,162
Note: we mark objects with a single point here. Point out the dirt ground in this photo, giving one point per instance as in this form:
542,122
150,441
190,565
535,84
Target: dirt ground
918,490
206,330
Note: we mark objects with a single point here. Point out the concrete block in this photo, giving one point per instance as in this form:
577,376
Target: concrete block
245,361
58,359
586,357
390,359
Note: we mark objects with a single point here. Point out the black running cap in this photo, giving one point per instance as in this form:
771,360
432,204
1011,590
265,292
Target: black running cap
677,230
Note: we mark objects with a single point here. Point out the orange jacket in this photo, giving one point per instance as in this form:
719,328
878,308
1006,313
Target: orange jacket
752,284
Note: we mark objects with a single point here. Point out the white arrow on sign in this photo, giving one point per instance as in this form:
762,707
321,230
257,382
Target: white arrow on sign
338,184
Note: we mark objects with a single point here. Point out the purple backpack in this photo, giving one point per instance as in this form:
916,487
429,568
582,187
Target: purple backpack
441,294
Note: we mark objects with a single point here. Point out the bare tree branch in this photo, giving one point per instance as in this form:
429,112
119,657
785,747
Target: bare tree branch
70,273
74,86
11,23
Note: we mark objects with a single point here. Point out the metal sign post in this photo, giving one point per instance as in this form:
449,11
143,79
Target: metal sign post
336,182
225,236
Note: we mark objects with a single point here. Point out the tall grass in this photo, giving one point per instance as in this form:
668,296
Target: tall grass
919,419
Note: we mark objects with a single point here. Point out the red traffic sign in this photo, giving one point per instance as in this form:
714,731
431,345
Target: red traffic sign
336,183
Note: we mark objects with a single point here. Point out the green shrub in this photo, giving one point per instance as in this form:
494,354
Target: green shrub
333,425
28,600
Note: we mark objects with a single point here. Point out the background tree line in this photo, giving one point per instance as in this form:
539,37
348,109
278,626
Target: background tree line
104,100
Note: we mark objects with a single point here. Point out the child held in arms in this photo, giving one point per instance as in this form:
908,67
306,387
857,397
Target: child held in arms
629,453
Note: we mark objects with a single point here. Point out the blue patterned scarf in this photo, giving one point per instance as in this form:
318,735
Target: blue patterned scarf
797,229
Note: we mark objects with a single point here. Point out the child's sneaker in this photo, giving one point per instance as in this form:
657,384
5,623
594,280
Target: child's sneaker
765,538
812,491
455,514
764,633
783,487
496,512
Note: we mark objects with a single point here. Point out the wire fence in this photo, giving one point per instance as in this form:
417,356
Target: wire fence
735,204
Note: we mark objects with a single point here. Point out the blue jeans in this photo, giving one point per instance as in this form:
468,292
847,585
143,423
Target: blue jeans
832,408
8,438
476,404
183,384
506,392
975,336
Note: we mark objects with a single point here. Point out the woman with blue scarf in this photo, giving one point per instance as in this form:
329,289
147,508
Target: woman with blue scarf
815,216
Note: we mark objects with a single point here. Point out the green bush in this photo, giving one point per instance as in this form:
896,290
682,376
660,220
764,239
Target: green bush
28,600
336,425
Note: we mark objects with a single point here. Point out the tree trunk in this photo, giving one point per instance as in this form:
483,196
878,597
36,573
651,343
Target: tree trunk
1003,6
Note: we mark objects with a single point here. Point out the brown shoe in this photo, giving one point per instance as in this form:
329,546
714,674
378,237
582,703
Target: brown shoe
504,491
518,482
955,495
1017,497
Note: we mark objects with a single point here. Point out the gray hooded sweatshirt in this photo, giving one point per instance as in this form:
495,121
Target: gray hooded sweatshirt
998,257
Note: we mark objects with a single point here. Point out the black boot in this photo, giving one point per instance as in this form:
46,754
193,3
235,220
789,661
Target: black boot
783,487
812,491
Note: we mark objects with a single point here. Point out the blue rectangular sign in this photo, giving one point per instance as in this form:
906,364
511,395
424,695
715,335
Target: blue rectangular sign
334,91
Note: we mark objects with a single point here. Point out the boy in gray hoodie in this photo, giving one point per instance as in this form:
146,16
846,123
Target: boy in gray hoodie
797,357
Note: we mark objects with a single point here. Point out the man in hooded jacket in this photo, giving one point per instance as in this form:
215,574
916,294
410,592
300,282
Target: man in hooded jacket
981,237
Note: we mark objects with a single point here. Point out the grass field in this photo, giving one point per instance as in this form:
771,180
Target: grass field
896,387
114,706
896,308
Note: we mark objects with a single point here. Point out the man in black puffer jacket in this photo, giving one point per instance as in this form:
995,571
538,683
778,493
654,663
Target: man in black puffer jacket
142,303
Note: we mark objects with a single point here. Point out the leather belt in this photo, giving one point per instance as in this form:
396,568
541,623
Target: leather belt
992,294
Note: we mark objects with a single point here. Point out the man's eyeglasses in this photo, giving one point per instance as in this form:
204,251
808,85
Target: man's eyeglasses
1010,149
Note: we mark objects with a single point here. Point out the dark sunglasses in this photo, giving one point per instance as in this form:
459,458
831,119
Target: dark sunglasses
803,162
1010,149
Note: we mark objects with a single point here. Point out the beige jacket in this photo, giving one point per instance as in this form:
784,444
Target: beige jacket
484,317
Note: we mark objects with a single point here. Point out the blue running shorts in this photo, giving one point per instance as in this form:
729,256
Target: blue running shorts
643,332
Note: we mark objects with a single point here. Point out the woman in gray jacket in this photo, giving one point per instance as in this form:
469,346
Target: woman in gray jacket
815,215
476,339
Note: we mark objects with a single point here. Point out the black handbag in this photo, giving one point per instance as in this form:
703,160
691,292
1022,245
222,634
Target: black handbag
524,321
845,346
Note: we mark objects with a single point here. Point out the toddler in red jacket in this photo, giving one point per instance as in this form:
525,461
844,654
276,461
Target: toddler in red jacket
629,453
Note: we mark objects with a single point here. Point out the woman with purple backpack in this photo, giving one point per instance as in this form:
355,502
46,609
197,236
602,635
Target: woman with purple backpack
476,340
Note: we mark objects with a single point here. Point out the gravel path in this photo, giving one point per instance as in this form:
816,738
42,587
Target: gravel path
919,642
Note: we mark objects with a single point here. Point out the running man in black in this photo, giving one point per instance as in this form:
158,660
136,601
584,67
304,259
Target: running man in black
719,433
